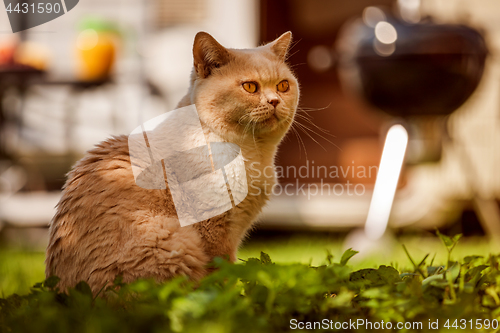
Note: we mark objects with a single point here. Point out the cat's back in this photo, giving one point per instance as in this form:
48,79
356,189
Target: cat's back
104,221
103,180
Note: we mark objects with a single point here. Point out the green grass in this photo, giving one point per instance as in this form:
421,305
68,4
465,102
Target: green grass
21,269
312,249
258,295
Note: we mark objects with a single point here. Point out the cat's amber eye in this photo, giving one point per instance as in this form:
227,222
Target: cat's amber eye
283,86
251,87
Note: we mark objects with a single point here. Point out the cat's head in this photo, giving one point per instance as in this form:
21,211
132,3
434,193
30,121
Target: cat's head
244,94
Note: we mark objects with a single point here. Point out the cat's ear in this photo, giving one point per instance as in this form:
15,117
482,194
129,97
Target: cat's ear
208,54
281,45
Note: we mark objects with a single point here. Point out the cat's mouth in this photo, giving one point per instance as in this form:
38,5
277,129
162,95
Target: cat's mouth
268,122
265,116
262,120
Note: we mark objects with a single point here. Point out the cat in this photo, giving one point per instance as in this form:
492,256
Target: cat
106,225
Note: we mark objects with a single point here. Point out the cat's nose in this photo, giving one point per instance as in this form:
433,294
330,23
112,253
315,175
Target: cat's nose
273,101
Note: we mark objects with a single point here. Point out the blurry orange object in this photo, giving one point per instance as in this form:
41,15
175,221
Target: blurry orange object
6,55
8,45
96,52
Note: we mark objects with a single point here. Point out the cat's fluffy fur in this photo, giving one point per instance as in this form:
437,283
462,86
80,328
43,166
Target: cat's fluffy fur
106,225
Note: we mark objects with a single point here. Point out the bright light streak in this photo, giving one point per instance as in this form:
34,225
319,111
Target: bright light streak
389,170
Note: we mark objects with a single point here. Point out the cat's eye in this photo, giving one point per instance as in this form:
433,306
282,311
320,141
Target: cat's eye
251,87
283,86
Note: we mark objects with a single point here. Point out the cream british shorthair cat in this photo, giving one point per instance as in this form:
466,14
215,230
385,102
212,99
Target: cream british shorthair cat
106,225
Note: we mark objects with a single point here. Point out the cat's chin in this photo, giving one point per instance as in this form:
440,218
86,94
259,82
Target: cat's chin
269,123
262,126
269,128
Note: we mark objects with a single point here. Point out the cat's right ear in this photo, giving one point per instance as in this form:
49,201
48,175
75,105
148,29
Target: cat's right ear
281,45
208,54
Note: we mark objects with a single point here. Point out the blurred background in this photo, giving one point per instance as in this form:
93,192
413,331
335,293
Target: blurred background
433,66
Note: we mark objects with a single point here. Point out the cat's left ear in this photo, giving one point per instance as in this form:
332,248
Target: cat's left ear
281,45
208,54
